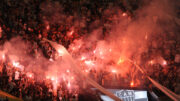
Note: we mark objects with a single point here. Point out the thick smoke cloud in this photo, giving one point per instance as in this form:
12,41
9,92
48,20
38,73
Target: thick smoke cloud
152,26
128,38
19,53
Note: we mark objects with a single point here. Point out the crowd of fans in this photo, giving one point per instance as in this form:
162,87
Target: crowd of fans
34,20
22,86
19,84
27,18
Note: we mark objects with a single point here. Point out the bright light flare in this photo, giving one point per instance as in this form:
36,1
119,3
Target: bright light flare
61,52
164,62
30,75
101,53
110,50
47,27
55,84
120,61
0,30
67,71
52,78
47,77
83,58
146,37
16,75
3,56
124,14
151,62
17,64
73,48
86,71
114,71
69,85
132,83
64,78
94,51
70,33
89,62
51,60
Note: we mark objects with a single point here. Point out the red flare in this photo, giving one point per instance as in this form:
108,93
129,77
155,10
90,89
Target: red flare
132,84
